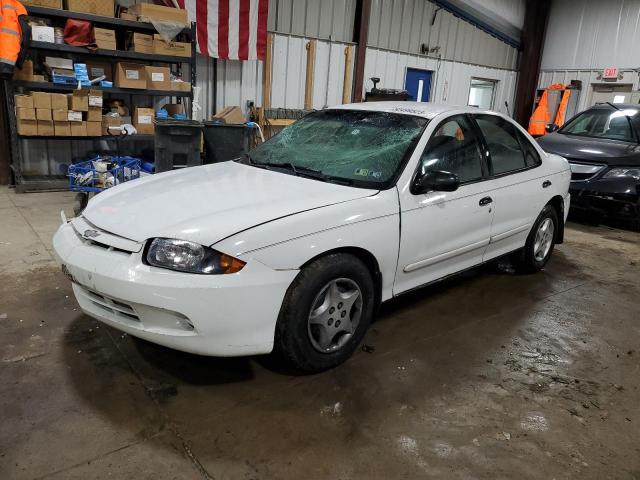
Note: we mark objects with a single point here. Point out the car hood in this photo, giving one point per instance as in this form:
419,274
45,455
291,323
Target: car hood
206,204
591,150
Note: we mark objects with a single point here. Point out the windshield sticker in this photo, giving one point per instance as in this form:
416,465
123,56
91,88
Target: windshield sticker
365,172
408,110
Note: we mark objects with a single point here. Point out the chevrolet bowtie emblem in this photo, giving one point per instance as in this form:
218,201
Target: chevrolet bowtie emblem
91,234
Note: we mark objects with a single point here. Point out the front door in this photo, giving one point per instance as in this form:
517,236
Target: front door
445,232
418,84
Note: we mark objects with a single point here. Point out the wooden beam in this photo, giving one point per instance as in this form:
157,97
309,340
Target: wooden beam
361,30
346,84
267,73
281,122
308,87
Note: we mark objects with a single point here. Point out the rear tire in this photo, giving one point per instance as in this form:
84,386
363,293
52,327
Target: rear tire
540,242
325,313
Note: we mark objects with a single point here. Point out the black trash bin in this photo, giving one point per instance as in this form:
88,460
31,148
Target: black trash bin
224,142
177,144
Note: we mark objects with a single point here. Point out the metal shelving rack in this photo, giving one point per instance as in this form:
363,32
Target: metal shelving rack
25,182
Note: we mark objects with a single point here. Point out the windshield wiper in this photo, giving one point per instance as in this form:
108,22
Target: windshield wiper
302,171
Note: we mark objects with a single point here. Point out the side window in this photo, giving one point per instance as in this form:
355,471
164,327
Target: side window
531,156
504,147
454,148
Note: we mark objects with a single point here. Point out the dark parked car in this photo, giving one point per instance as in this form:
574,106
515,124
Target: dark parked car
602,144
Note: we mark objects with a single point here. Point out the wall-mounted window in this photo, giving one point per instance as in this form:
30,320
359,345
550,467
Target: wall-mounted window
482,93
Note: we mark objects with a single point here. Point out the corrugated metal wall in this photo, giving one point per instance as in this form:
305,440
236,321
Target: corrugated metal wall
404,25
327,19
591,35
450,82
397,28
587,77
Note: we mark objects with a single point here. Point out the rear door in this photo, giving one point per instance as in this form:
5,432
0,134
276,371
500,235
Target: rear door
518,182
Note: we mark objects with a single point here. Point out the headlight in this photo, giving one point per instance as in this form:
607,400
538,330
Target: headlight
633,172
185,256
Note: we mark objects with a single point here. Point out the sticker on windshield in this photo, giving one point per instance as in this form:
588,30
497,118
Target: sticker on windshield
365,172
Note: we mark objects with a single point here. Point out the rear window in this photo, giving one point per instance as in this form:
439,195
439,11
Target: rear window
601,123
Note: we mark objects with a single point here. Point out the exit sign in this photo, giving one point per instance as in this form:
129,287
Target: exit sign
610,72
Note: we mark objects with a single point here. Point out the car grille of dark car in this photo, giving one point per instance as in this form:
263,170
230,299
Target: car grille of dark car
583,171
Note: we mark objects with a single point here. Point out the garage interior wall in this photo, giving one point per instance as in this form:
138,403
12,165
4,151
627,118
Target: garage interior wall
464,52
584,37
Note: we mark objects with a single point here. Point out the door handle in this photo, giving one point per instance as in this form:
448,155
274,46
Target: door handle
485,201
546,183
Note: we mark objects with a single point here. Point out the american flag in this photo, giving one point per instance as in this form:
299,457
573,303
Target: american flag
229,29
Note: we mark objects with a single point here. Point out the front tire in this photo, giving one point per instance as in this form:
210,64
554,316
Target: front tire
540,242
325,313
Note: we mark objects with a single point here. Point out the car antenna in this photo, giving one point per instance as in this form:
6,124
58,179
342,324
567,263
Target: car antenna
613,105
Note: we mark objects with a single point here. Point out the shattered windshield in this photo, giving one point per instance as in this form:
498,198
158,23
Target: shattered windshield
363,148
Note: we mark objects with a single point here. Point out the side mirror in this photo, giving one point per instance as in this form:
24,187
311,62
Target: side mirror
551,127
435,181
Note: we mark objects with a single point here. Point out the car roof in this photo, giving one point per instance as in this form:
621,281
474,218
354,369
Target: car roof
421,109
621,106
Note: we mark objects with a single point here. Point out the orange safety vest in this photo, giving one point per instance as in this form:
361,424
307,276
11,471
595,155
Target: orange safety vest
562,108
541,118
10,35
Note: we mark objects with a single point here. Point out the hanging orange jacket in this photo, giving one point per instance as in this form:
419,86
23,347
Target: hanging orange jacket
12,27
562,108
540,117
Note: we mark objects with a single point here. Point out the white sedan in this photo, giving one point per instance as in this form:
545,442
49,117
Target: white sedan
292,248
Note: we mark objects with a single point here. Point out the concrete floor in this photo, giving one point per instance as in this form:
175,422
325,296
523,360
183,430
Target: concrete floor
488,376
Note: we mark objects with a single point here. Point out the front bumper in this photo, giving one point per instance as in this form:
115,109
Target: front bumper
218,315
607,198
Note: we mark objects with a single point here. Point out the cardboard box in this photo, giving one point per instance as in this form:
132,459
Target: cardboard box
25,113
158,78
23,101
105,38
27,127
61,128
44,3
130,75
176,49
43,114
73,116
173,108
38,78
143,120
59,62
45,128
25,73
78,129
180,86
97,7
41,100
79,100
94,114
60,115
42,33
149,11
95,98
110,121
231,115
98,68
94,129
141,43
128,16
58,101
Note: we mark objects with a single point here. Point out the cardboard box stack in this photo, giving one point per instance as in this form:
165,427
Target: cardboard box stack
57,114
106,8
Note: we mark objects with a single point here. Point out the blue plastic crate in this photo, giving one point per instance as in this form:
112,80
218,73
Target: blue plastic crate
83,176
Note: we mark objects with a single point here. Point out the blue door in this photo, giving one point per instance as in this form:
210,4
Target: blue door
416,81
